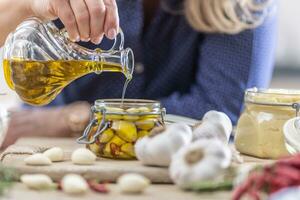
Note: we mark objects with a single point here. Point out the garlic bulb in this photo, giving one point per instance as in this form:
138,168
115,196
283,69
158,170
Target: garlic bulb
204,159
37,181
157,148
74,184
83,156
37,159
133,183
55,154
214,125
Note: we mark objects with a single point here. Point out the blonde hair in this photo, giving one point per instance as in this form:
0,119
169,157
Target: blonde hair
225,16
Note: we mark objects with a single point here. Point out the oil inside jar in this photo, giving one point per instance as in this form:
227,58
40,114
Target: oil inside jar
39,82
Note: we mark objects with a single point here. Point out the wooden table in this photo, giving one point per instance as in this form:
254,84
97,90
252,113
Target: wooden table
155,191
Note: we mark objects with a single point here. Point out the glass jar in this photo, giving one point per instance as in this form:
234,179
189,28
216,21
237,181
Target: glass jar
116,125
260,127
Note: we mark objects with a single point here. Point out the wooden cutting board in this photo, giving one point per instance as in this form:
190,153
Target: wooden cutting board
104,169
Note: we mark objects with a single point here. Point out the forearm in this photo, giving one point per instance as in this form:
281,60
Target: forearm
12,13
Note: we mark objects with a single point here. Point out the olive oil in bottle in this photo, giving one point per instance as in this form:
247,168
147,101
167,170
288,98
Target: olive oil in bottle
39,82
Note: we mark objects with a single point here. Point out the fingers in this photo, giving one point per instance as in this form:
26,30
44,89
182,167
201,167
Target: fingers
111,25
82,17
88,19
97,17
65,13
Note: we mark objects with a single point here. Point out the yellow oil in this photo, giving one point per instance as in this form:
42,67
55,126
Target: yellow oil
39,82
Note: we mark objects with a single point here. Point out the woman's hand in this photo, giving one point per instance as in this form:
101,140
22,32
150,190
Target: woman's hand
64,121
86,20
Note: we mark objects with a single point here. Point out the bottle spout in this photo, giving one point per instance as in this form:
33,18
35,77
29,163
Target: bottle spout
127,60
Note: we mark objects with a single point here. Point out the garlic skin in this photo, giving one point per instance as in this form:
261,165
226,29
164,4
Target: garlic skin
204,159
214,125
83,156
74,184
37,181
157,150
38,159
55,154
132,183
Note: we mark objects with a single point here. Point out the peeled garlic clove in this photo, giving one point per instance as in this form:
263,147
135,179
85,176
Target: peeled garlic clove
125,130
133,110
37,181
95,148
55,154
113,147
148,117
145,124
142,134
133,183
83,156
128,149
37,159
74,184
117,140
106,136
114,116
131,117
144,109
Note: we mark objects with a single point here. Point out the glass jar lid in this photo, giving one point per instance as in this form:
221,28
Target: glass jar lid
119,108
273,97
128,107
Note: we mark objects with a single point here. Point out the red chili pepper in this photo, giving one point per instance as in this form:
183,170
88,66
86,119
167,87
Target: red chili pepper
59,187
115,149
288,172
98,187
271,178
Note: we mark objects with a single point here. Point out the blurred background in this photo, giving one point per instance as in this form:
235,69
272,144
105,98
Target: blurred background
287,70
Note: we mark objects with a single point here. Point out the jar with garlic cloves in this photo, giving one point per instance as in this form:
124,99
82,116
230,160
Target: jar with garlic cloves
116,125
260,128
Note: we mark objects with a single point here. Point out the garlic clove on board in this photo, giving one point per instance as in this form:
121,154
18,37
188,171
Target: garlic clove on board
83,156
201,160
158,147
37,159
55,154
37,181
74,184
214,125
132,183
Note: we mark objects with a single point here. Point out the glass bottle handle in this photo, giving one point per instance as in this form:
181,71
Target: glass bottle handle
117,45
